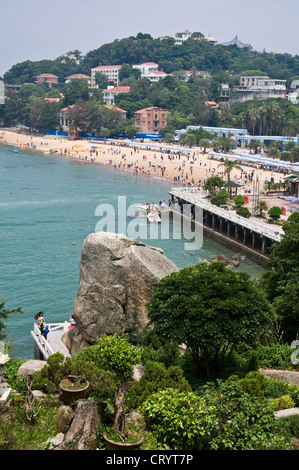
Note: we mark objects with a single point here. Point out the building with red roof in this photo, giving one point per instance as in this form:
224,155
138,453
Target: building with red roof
150,120
48,78
111,92
78,75
111,72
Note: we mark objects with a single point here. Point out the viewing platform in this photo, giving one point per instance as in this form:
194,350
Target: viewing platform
44,348
252,235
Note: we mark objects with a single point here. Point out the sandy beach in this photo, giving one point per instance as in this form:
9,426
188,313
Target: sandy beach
186,168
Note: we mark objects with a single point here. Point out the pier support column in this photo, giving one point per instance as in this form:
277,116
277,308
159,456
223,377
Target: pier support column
263,245
253,240
213,221
228,228
236,232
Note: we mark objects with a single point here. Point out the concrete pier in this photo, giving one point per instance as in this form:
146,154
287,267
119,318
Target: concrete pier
252,236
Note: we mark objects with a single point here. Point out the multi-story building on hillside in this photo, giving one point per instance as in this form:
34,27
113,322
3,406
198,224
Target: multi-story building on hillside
111,92
147,67
150,120
78,75
111,72
260,87
48,78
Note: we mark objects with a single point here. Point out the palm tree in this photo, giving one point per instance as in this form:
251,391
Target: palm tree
229,165
254,116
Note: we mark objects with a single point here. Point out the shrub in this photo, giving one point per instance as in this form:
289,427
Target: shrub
156,377
294,217
254,383
179,420
221,198
239,200
275,388
274,356
243,212
275,212
282,403
58,367
243,421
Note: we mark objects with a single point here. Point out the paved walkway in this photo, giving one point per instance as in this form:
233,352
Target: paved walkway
54,340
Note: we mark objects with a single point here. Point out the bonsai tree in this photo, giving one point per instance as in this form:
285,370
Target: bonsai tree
239,201
211,309
275,212
243,212
221,198
118,356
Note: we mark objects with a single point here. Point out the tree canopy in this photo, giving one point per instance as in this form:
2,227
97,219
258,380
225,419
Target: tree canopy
211,309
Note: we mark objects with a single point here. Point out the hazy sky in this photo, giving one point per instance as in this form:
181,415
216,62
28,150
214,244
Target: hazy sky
44,29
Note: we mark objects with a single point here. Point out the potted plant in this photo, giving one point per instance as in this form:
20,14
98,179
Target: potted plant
117,355
73,388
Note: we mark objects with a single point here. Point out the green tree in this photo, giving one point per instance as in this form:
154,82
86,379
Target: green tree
4,313
281,280
118,356
229,165
101,80
75,89
210,308
213,184
42,115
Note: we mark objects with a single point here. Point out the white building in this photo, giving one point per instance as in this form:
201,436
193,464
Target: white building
155,76
260,87
182,37
293,96
147,67
111,72
111,92
78,75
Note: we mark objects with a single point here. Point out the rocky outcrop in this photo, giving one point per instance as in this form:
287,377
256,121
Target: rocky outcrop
117,275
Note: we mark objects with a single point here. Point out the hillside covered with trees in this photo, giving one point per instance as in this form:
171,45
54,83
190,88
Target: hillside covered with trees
185,100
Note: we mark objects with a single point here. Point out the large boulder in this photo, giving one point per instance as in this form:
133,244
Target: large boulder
117,276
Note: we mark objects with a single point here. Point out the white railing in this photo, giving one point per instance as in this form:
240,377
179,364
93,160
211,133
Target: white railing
197,198
42,343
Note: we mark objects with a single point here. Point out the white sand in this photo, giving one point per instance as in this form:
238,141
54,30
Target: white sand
197,167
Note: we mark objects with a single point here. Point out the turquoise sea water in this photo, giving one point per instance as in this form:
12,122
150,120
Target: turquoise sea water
47,208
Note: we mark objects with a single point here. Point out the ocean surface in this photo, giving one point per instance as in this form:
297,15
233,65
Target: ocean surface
48,206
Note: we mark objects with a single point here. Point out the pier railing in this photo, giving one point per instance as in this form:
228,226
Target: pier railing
44,345
194,196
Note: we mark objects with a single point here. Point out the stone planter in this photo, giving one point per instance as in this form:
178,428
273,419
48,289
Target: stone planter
71,394
112,445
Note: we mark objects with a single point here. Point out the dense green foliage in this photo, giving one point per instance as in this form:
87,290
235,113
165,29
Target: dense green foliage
185,100
211,309
281,280
4,313
156,377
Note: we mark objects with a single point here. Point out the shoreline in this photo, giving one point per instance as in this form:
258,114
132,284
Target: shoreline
190,168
